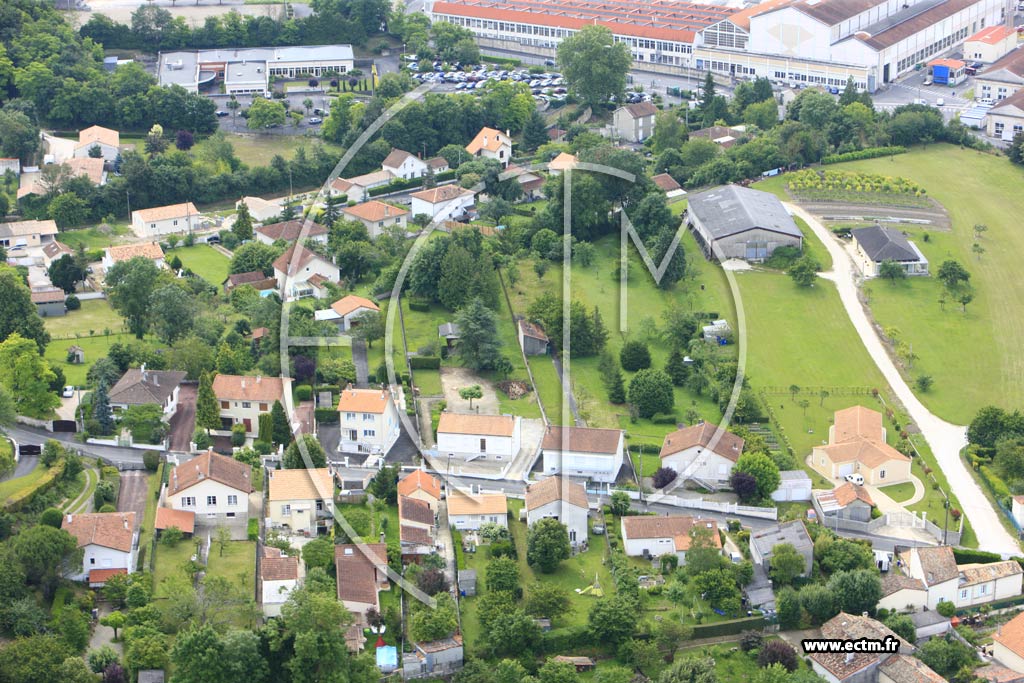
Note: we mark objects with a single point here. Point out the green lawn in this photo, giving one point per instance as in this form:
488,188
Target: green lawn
94,348
92,238
899,492
974,357
170,562
705,291
94,317
257,150
237,564
149,519
12,486
577,572
205,261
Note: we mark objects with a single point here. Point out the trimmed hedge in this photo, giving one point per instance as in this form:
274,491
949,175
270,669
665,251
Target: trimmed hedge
327,416
861,154
561,640
253,529
303,392
22,497
421,306
425,362
511,61
396,185
998,487
969,555
728,628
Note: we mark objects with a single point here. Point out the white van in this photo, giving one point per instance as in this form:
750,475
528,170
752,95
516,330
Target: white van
857,479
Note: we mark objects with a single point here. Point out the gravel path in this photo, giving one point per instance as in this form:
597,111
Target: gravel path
946,440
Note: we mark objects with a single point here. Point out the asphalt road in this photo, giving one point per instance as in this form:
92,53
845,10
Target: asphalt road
112,454
183,422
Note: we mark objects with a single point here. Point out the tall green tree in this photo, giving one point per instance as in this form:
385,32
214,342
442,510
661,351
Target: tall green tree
315,625
535,131
27,377
207,407
594,64
17,312
172,311
66,272
281,429
130,284
101,411
547,544
242,227
479,343
786,564
293,457
764,471
46,553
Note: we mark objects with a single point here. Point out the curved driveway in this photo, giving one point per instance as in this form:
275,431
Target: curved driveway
946,440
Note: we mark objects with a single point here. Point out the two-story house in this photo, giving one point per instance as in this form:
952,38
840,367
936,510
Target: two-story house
634,122
561,499
139,386
469,511
369,421
166,220
404,165
421,486
215,487
362,572
243,399
865,666
301,273
416,528
964,585
586,452
301,500
109,541
441,203
471,437
279,576
492,144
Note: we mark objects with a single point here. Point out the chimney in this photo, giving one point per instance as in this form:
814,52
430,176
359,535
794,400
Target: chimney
387,210
243,383
259,378
125,522
849,657
70,518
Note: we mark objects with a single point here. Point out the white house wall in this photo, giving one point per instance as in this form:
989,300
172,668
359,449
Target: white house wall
573,517
712,467
904,599
385,427
275,594
100,557
594,466
473,522
220,509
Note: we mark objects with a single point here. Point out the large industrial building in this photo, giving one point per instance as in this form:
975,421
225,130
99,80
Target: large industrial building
820,42
248,70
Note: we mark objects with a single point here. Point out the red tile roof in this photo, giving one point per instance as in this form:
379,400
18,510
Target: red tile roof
101,576
249,388
728,445
419,480
183,519
540,493
357,568
209,465
290,230
112,530
992,34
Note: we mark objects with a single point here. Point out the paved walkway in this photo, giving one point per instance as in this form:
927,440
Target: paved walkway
104,635
946,440
886,503
359,359
83,503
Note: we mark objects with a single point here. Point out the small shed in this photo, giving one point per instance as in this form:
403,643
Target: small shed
449,332
151,676
929,624
76,355
581,663
718,332
467,582
948,71
532,339
793,485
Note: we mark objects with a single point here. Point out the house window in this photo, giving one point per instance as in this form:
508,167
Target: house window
286,509
963,594
984,589
152,226
175,223
319,506
367,417
369,433
263,407
211,500
483,445
246,404
232,501
230,514
188,502
225,405
92,560
350,416
881,474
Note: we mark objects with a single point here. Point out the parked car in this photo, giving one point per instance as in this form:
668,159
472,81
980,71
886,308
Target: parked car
315,120
857,479
221,113
549,62
68,392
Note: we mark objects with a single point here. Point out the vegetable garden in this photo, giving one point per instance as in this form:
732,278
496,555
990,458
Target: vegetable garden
854,187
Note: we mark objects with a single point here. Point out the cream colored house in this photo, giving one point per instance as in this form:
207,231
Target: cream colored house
981,583
27,234
652,536
166,220
260,209
634,122
301,500
990,43
1001,79
901,592
243,399
856,445
421,486
492,144
466,511
1006,119
1008,644
369,421
345,311
108,141
377,216
124,252
214,487
702,453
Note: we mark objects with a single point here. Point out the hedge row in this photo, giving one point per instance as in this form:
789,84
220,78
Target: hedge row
421,306
511,61
27,494
969,555
425,362
327,416
994,605
398,184
728,628
861,154
995,483
561,640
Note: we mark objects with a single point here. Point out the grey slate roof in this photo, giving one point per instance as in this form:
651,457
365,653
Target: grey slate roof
929,618
793,475
884,244
794,533
732,209
140,388
448,331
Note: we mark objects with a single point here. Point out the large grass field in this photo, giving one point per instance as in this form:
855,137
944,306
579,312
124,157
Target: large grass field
95,316
598,285
92,238
204,261
257,150
94,347
974,357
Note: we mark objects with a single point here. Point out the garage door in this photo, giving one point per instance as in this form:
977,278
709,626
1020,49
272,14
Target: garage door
800,493
846,469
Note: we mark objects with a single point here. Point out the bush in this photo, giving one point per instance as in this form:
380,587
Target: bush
650,392
861,154
72,303
421,306
425,362
663,477
201,439
778,652
172,536
946,608
238,434
51,517
327,416
663,418
253,529
151,459
108,507
635,356
303,392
